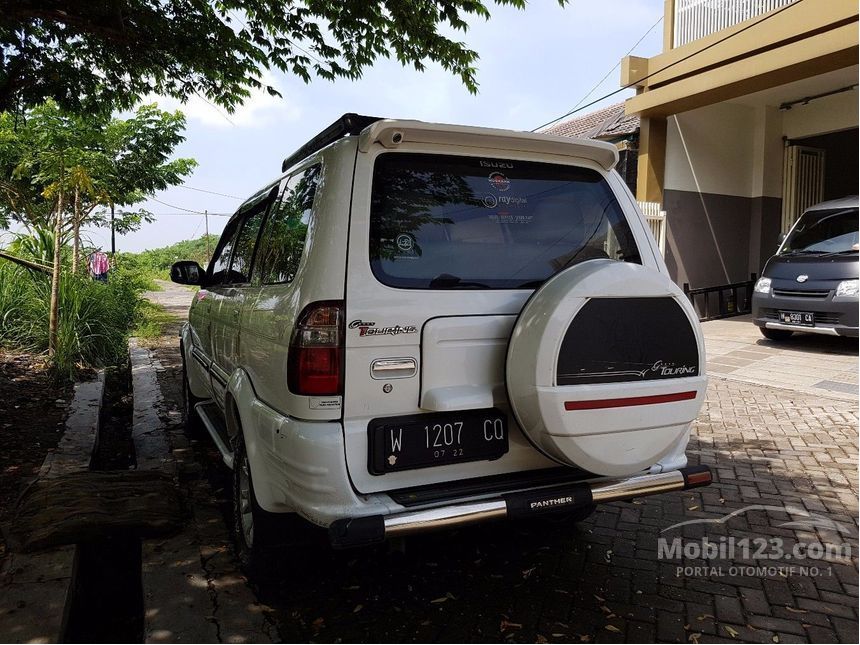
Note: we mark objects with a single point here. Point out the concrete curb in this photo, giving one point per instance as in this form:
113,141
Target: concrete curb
36,588
192,589
150,443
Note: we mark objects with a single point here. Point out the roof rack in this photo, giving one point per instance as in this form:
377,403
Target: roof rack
348,124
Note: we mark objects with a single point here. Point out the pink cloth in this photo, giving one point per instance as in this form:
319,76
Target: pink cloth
99,263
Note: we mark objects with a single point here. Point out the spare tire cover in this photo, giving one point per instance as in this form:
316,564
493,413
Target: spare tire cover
605,367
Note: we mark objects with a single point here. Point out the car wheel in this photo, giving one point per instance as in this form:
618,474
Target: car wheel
253,528
775,334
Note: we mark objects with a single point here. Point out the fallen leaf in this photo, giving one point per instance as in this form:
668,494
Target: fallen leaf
794,610
775,638
605,609
731,631
612,628
599,599
505,625
694,638
528,572
436,601
693,508
704,617
540,639
357,609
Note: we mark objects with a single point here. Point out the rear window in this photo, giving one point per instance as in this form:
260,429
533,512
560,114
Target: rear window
451,222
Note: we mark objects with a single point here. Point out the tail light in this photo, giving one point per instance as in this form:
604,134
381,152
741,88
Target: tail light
315,360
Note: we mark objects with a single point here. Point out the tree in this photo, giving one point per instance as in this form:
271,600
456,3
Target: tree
49,155
103,54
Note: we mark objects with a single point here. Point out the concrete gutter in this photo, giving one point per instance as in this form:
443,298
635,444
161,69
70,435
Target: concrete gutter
36,588
193,590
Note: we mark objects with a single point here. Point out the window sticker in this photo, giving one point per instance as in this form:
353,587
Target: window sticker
499,181
405,242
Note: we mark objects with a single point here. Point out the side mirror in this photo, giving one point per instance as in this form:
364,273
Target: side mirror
781,238
187,272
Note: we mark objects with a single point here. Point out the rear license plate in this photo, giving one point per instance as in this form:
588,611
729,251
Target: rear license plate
425,440
800,318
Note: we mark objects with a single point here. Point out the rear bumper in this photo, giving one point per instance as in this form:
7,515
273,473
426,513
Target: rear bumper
359,531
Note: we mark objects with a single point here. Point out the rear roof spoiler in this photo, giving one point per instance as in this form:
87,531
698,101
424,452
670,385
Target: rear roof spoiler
391,133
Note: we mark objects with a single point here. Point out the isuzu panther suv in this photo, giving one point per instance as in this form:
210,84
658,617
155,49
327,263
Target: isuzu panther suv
419,326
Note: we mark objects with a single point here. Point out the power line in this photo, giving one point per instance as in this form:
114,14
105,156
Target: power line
187,210
618,64
190,214
677,62
211,192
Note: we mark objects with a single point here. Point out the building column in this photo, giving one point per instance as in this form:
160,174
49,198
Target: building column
668,25
652,159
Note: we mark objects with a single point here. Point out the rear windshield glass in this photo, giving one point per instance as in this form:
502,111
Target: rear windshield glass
451,222
824,231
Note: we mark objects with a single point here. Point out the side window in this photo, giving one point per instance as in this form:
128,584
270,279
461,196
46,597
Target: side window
221,258
286,229
246,242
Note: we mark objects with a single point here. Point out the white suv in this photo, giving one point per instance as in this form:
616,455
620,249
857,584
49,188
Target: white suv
420,325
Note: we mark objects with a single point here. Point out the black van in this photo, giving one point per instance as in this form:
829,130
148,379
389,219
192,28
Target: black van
811,284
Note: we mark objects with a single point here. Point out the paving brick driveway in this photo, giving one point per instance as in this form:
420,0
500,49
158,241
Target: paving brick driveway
793,448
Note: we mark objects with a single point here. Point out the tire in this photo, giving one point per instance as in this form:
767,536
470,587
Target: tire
775,334
253,528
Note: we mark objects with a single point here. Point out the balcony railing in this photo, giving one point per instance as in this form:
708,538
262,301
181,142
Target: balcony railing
696,19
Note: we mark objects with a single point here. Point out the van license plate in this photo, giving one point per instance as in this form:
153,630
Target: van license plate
425,440
800,318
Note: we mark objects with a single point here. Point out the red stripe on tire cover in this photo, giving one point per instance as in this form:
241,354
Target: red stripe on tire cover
597,404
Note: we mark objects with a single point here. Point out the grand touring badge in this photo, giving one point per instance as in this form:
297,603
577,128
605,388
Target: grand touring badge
369,328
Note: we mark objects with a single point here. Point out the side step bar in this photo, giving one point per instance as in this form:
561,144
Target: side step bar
350,532
215,425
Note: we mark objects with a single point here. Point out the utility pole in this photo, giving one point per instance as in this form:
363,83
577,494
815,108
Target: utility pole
206,216
112,235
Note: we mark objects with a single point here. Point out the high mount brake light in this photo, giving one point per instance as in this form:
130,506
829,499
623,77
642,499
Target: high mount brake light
315,360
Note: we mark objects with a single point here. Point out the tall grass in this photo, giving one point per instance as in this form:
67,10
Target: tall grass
94,322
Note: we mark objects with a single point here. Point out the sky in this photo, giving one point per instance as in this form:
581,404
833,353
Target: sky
534,65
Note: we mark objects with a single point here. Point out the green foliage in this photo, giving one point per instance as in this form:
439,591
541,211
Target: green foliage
151,320
38,245
99,55
107,160
94,321
155,263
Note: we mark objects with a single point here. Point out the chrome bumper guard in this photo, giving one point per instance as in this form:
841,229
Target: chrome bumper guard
361,531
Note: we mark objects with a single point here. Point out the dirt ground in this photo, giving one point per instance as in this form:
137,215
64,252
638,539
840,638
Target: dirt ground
32,416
